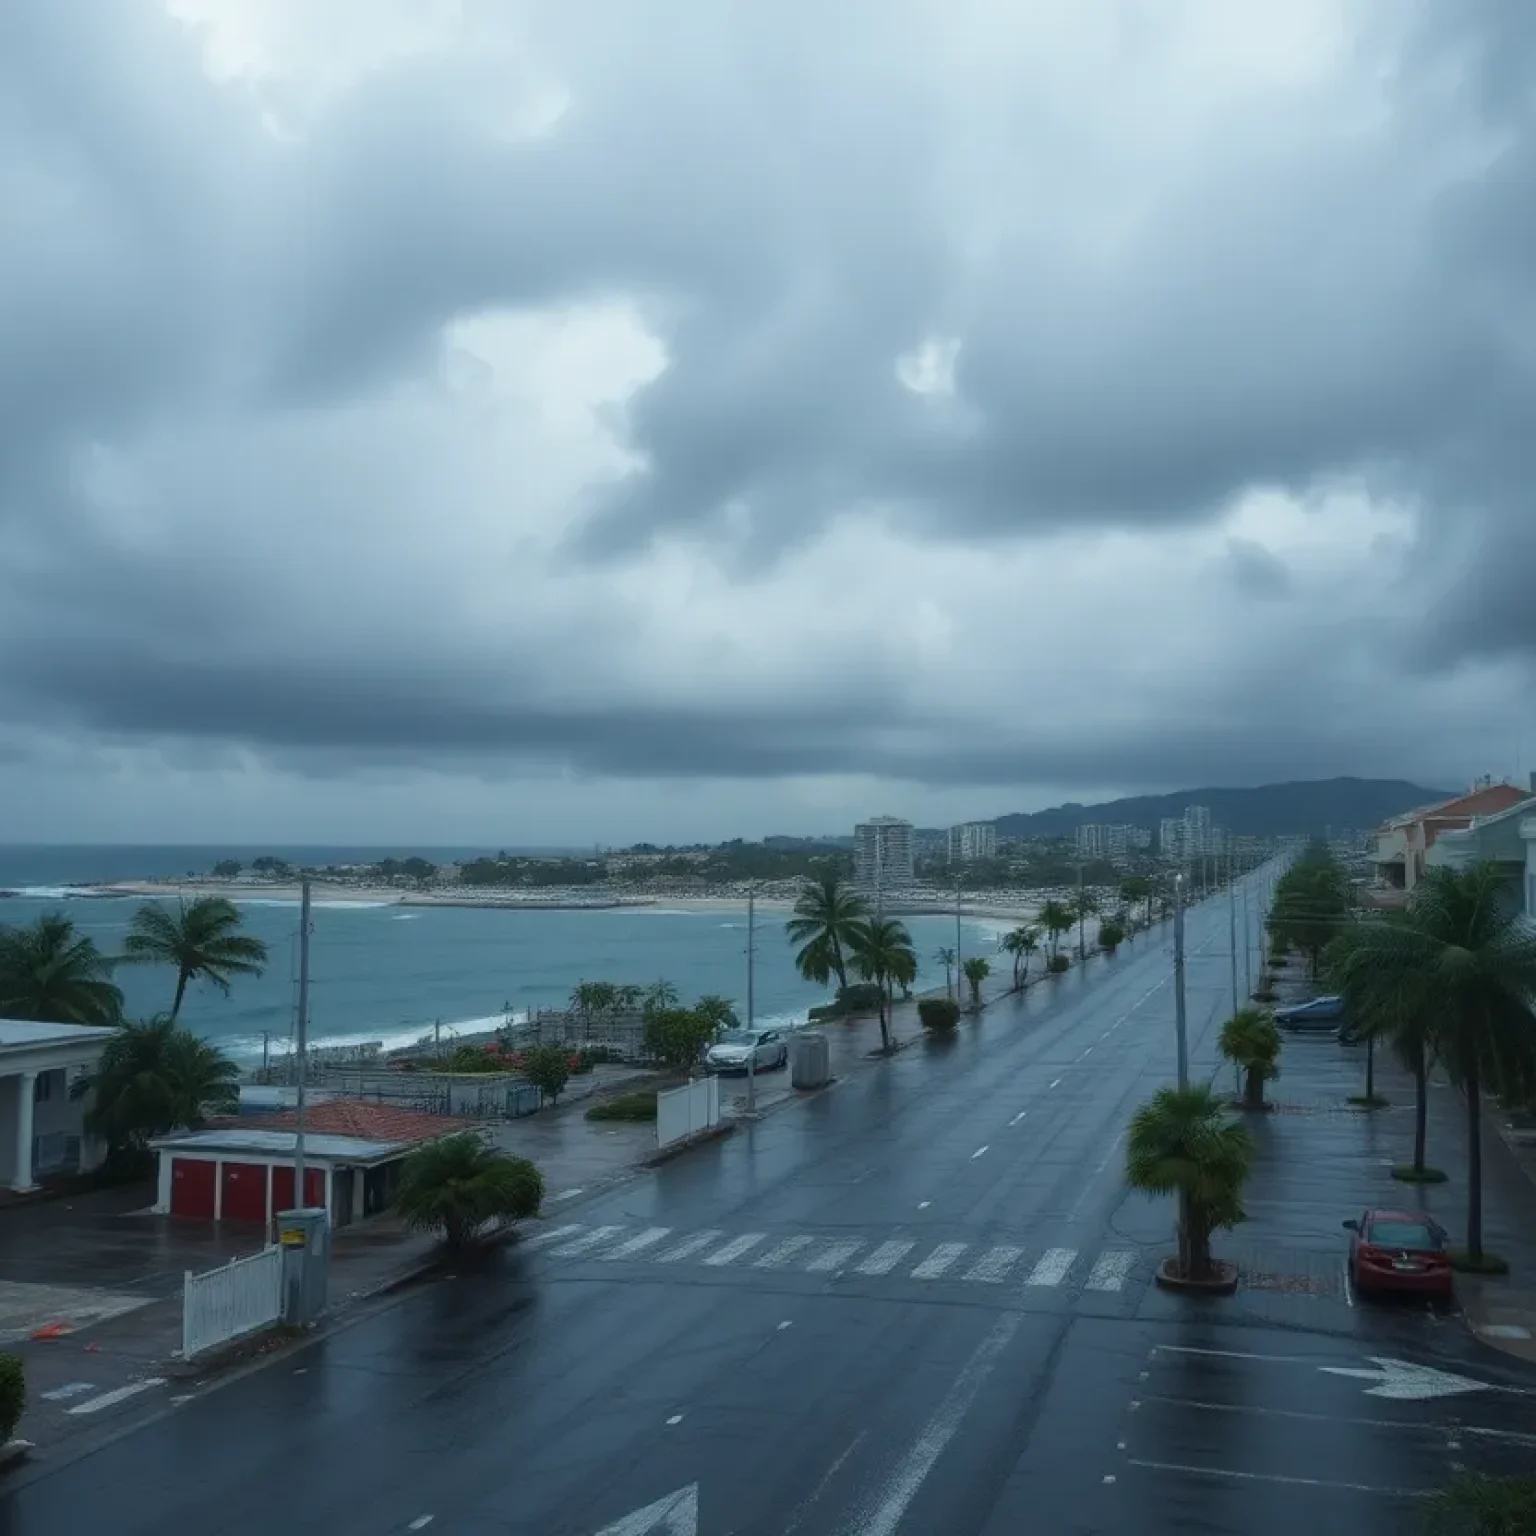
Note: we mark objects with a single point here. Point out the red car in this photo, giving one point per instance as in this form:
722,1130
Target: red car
1398,1251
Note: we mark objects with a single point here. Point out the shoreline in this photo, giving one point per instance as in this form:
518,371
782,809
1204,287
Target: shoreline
1004,906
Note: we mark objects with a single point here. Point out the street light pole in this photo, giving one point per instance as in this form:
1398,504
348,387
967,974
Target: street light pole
958,988
1082,917
1232,929
751,1000
1179,1019
1247,947
302,1030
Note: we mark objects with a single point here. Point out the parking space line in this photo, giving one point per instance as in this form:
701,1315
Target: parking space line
119,1395
1275,1477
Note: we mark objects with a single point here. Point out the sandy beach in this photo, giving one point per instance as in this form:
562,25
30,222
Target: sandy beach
1001,905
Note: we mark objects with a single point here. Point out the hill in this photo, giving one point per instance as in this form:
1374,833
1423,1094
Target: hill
1267,810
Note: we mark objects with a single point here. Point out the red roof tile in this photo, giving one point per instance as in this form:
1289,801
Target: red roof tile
351,1117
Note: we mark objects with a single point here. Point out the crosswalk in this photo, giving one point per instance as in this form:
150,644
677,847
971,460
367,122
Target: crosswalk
713,1248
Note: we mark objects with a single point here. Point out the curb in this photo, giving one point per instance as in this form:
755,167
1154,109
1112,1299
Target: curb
688,1143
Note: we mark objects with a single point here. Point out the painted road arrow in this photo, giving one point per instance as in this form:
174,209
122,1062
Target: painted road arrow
1406,1382
675,1515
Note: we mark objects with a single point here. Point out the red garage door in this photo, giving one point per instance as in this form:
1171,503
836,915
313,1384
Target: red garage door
282,1187
192,1187
245,1192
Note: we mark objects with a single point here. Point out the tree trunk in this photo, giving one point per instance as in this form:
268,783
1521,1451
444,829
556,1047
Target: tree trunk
1186,1248
182,978
1474,1165
1255,1089
1370,1066
885,1033
1420,1110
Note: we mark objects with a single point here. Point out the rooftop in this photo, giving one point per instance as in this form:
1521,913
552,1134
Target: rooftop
236,1140
21,1032
352,1117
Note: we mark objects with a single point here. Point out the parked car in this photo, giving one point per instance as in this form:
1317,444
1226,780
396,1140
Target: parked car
1399,1251
1320,1013
735,1048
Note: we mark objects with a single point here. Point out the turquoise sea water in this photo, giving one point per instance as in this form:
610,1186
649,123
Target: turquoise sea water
386,973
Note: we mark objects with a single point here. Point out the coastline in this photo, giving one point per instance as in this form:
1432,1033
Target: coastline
1003,906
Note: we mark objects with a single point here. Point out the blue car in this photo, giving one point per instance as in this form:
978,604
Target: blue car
1321,1013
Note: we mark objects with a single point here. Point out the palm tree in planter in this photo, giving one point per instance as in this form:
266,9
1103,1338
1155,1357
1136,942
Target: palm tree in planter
1020,944
1083,906
1394,1007
459,1184
1183,1142
200,939
882,949
1056,919
823,924
977,968
946,958
153,1078
1477,961
1251,1042
50,974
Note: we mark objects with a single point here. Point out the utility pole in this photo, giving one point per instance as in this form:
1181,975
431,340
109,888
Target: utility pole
958,988
1232,930
751,1001
1082,917
303,1050
1180,1022
266,1052
1247,947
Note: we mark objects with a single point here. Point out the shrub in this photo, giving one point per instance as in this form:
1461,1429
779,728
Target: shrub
13,1395
676,1036
859,997
1057,964
456,1184
938,1014
1265,994
1111,935
626,1106
548,1068
824,1011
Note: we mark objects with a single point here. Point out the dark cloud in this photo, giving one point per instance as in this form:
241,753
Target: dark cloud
240,503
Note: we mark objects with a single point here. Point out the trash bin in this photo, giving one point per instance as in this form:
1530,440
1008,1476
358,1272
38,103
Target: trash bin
809,1060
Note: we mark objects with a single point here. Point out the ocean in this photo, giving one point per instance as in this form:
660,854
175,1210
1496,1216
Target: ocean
387,974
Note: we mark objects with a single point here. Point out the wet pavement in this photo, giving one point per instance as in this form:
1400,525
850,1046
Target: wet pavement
918,1302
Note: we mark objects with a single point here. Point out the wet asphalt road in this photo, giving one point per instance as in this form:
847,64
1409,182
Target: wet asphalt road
920,1302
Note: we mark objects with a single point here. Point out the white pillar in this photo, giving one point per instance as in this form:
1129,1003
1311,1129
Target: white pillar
26,1090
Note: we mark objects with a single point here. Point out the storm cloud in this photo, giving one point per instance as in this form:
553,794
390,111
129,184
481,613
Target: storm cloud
954,404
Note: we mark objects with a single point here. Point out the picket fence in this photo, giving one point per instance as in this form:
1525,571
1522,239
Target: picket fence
687,1110
224,1304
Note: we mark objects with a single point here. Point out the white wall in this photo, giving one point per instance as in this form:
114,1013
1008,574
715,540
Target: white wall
1528,831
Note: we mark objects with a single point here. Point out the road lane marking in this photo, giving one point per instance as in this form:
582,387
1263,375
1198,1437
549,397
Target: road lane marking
923,1205
594,1239
886,1516
777,1257
1110,1270
939,1260
1057,1083
1018,1117
420,1523
1053,1267
977,1153
734,1249
993,1266
787,1323
1275,1477
886,1257
565,1194
647,1239
541,1239
676,1418
68,1390
119,1395
691,1245
835,1257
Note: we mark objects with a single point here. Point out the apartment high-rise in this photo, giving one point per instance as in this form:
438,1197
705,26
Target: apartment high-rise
1090,840
1170,837
882,851
972,840
1197,831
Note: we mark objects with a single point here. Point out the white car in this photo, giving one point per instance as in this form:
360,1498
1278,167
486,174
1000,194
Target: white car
733,1051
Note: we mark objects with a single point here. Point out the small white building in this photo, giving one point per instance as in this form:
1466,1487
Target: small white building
42,1129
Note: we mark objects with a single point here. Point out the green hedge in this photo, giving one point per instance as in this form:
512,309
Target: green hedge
13,1395
939,1014
626,1106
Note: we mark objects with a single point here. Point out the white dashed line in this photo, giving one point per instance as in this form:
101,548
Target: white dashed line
1057,1083
676,1418
992,1268
734,1249
780,1255
421,1522
120,1395
885,1258
553,1235
1018,1117
977,1153
594,1239
647,1239
1052,1268
939,1260
836,1256
691,1245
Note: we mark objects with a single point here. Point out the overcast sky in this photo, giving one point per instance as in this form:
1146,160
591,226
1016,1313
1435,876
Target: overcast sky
496,422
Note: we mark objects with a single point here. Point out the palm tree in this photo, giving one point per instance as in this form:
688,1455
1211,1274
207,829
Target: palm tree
1082,906
1135,888
825,918
153,1078
49,974
1021,943
1477,964
946,958
1183,1142
1250,1041
882,949
1394,1007
457,1184
977,968
1056,919
201,939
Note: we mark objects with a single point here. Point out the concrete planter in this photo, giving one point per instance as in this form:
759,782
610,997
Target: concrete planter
1223,1281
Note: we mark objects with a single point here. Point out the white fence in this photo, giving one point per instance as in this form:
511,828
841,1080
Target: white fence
688,1110
223,1304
